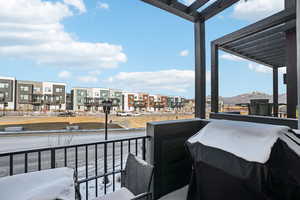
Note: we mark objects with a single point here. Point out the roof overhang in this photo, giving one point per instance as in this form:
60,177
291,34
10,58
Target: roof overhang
263,42
191,13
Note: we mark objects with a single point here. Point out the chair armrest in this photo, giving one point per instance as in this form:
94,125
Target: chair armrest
143,196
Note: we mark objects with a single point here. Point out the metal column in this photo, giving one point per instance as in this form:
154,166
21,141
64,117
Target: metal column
298,55
291,74
214,78
275,91
200,70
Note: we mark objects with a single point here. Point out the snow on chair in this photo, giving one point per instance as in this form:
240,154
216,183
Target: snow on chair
46,184
135,181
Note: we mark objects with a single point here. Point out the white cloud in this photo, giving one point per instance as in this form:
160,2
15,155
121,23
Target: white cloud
256,9
103,5
173,80
264,69
259,68
87,79
184,52
94,72
32,29
231,57
78,4
64,74
282,70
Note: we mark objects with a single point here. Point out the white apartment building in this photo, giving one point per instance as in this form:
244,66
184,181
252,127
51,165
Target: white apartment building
7,93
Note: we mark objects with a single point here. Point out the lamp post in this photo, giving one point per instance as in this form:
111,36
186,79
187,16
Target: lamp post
107,104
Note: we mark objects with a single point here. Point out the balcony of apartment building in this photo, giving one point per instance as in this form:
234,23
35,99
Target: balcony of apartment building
238,157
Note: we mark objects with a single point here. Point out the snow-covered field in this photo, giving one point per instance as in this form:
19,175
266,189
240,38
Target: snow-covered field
19,142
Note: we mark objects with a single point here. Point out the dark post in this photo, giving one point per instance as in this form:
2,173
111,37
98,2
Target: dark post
298,55
291,67
106,108
291,74
214,78
275,91
200,70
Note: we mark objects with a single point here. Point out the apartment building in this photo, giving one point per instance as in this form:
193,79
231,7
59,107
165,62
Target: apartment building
128,103
176,103
117,99
7,93
40,96
90,99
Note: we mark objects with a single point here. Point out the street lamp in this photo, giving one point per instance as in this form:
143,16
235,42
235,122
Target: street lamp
107,104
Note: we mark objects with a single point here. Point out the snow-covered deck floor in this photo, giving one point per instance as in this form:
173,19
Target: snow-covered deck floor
180,194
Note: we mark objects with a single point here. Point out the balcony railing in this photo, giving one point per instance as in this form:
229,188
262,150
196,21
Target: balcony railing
91,163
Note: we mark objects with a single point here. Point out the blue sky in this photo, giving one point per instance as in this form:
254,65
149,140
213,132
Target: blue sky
124,44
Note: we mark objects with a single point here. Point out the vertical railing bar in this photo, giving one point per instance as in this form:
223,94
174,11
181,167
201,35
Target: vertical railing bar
113,166
121,155
96,169
53,160
105,167
144,149
39,161
66,156
136,147
86,172
76,160
26,163
129,148
11,165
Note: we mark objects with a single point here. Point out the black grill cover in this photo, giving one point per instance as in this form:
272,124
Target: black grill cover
219,175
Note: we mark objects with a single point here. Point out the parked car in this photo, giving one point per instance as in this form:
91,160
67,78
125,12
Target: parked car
135,114
123,114
66,114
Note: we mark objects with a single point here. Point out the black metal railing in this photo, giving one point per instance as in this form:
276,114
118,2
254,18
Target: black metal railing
96,169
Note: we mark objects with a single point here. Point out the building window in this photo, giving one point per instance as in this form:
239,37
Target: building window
37,89
24,97
24,88
4,85
48,89
58,90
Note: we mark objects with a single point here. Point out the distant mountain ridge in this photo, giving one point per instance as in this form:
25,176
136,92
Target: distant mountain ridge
245,98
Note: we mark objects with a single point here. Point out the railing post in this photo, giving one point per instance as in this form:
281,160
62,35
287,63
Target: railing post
11,165
52,154
144,149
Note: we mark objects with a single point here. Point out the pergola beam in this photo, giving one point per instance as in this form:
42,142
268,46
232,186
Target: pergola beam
267,33
262,46
268,53
173,7
264,49
196,5
216,8
269,22
245,57
258,42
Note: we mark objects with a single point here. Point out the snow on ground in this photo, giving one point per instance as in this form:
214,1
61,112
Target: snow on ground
18,143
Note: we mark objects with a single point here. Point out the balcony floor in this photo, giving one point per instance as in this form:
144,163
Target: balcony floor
180,194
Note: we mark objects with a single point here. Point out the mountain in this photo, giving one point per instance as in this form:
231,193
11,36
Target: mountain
245,98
